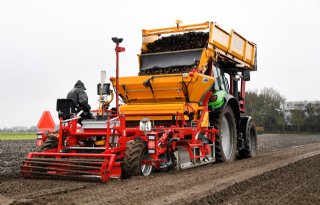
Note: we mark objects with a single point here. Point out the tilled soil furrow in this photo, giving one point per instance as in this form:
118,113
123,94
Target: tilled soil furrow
229,183
291,184
190,185
54,191
203,189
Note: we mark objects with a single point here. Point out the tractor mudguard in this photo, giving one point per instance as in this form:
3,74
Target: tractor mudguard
233,103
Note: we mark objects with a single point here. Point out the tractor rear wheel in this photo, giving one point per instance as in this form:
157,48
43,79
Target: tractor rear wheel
136,152
50,143
226,139
251,136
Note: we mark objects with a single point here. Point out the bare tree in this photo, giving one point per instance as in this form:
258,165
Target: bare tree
298,117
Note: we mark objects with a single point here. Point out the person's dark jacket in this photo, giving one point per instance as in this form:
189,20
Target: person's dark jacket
79,94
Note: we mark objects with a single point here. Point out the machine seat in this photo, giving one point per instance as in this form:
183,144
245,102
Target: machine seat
66,108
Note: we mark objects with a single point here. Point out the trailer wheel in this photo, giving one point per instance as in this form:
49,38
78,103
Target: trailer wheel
136,151
251,136
225,145
50,143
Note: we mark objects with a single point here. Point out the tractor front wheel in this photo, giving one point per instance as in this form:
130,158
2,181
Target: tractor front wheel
251,138
135,154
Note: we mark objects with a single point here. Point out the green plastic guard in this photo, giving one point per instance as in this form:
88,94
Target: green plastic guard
219,100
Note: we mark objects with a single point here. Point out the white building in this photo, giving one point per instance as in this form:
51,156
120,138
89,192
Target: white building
298,105
295,105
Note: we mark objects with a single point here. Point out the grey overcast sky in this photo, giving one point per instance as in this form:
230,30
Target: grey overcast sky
46,46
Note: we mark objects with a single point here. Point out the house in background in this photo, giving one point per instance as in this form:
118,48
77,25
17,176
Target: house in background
295,105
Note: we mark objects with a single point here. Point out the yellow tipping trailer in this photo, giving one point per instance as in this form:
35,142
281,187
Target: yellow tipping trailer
231,47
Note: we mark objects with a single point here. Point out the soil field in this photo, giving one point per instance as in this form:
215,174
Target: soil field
285,171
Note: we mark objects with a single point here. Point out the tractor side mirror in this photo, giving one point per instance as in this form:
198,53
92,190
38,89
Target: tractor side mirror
246,75
105,89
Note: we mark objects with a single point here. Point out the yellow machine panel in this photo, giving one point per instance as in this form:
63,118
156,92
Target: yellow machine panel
219,37
165,88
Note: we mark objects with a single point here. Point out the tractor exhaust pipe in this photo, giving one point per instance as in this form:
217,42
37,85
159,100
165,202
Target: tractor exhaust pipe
118,49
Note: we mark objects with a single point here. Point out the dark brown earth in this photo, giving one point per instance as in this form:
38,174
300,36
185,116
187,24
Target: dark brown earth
286,171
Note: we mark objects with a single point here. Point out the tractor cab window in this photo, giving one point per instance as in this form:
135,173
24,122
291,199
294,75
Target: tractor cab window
221,82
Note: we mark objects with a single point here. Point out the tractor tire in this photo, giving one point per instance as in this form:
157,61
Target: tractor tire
50,143
226,139
251,147
136,151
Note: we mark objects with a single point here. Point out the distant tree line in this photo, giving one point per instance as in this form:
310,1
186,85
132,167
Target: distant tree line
309,119
267,109
19,129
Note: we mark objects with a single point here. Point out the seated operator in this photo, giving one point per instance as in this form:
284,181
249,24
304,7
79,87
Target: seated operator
79,94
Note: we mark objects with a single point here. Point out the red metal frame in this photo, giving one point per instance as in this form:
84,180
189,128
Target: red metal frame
242,95
114,155
242,101
118,49
70,135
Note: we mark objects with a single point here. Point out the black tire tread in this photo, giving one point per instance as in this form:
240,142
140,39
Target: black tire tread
218,144
131,164
50,143
248,151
